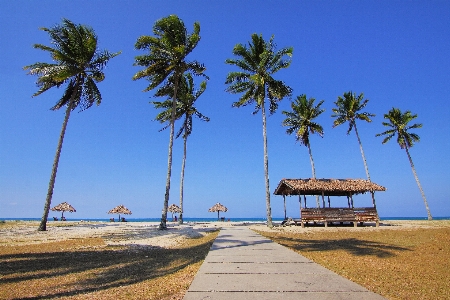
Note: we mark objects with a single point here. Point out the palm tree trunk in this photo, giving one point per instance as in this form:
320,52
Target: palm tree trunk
163,224
313,171
362,151
365,162
183,164
51,185
266,168
418,183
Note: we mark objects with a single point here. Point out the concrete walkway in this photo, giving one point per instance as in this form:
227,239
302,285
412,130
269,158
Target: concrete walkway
244,265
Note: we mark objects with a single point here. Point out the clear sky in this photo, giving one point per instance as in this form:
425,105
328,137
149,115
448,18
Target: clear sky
395,52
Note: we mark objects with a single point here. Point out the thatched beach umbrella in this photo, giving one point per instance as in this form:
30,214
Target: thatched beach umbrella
218,207
174,209
120,209
62,207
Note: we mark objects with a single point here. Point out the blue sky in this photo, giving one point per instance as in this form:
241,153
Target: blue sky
395,52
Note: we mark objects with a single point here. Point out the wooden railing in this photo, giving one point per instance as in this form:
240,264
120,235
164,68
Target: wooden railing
330,215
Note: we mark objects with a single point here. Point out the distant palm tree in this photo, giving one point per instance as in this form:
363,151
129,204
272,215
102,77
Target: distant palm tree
301,121
186,97
398,124
349,110
78,63
166,63
258,62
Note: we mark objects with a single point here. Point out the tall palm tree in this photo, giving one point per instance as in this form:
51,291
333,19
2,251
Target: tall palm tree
348,109
165,63
301,121
258,62
79,64
186,97
398,124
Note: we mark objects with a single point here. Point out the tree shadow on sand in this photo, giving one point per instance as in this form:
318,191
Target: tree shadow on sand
354,246
97,269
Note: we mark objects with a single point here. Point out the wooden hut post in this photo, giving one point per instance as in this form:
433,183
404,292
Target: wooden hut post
300,204
329,203
351,200
373,199
323,199
304,198
348,200
284,199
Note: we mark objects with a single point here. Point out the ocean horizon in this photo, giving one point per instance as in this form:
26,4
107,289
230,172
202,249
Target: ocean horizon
199,220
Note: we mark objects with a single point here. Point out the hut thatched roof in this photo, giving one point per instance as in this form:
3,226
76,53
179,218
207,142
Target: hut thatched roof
329,187
218,207
120,209
174,209
64,207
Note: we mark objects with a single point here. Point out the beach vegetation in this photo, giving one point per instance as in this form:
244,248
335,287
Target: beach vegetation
78,64
258,62
301,121
186,97
349,109
398,124
164,64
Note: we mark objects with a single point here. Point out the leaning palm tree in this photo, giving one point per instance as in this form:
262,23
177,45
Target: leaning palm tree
79,64
186,97
258,62
398,124
166,63
349,110
301,121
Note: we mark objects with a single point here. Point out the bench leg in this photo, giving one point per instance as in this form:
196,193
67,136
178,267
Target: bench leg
378,223
326,223
355,224
303,225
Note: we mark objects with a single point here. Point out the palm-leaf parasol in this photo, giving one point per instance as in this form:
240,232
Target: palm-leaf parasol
120,209
218,207
62,207
174,209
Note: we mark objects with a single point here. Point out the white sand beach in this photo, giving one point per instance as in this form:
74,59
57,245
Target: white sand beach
146,234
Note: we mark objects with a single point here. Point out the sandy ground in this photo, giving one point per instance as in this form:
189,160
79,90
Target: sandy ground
146,234
131,233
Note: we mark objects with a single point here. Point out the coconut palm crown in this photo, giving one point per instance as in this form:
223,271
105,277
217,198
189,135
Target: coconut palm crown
398,125
164,63
301,122
79,65
258,62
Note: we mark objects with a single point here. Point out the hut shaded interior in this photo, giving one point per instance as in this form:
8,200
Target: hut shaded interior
326,187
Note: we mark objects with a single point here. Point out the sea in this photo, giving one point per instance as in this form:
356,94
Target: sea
205,220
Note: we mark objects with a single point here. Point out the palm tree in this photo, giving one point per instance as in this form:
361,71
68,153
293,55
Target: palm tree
301,121
78,63
349,110
166,63
258,62
398,124
186,96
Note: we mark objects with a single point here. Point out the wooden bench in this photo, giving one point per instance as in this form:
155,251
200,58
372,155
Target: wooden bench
330,215
367,214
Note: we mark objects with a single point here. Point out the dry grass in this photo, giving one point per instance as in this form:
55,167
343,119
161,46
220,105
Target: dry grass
86,268
411,263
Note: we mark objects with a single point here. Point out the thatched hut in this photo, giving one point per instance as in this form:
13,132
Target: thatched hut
174,209
326,187
120,209
62,207
218,208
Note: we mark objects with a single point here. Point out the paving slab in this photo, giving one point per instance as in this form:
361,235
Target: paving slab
245,265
